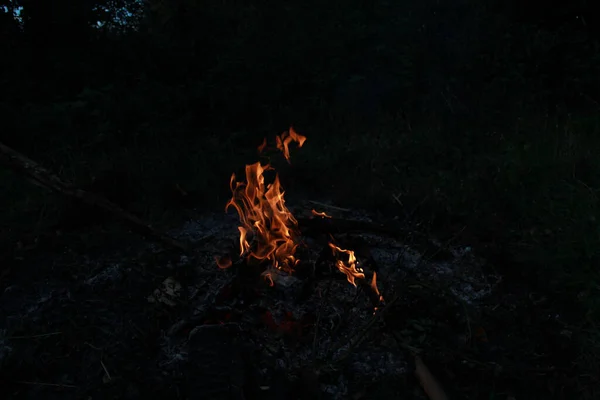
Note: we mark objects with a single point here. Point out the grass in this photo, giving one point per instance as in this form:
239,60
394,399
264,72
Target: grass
461,143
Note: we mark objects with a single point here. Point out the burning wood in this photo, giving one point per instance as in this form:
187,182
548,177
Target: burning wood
348,268
269,231
266,221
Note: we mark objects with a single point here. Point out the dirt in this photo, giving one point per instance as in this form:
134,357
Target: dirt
136,321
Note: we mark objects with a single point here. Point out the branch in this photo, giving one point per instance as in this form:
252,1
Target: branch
40,176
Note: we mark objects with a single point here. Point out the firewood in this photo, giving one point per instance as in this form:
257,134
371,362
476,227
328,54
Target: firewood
40,176
430,385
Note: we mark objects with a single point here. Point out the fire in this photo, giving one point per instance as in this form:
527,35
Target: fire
268,230
269,278
265,219
223,262
284,140
375,289
348,268
319,214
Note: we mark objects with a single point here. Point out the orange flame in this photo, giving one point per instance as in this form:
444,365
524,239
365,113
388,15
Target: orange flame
348,268
284,140
376,289
223,262
269,278
268,229
265,219
262,146
319,214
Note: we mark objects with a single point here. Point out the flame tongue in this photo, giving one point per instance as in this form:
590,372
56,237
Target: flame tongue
265,220
349,268
284,140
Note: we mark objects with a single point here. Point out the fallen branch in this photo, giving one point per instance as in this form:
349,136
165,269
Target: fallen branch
431,386
333,226
329,206
46,179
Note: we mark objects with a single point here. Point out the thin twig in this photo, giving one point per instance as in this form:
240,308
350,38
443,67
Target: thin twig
408,216
34,336
358,339
445,246
47,384
105,370
318,203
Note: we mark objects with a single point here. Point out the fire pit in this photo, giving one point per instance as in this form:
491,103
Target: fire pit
300,294
279,301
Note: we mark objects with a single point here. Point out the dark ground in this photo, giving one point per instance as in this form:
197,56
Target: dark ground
476,122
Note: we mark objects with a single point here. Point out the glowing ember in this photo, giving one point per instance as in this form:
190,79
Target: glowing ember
348,268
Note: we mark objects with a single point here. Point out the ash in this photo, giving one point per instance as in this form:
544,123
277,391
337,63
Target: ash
324,324
218,329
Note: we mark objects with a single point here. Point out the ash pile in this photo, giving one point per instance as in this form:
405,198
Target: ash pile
255,330
309,301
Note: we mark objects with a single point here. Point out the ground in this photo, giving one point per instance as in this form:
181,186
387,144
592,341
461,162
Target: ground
466,125
110,323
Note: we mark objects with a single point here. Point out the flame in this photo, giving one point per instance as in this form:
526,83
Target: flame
265,219
268,230
223,262
319,214
348,268
262,146
269,278
376,289
284,140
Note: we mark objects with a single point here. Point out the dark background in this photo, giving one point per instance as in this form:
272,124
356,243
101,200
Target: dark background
477,114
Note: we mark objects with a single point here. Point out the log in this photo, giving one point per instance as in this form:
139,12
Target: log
430,384
326,226
42,177
334,225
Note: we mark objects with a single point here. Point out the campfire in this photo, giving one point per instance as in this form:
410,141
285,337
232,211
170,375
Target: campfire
269,232
303,286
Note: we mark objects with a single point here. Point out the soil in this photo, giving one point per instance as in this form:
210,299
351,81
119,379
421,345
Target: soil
126,320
